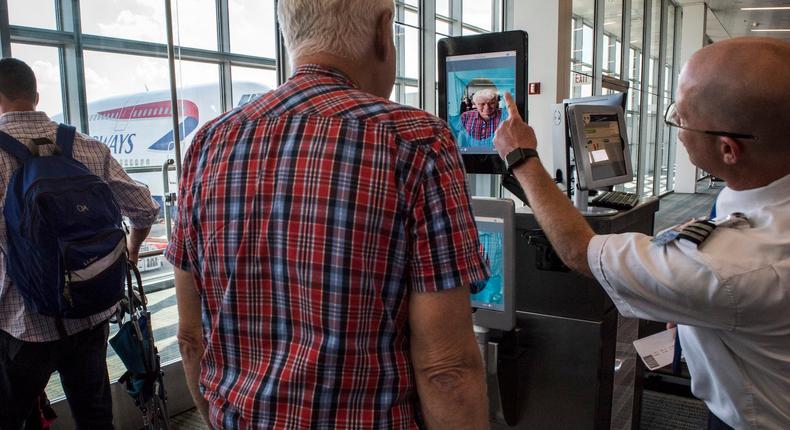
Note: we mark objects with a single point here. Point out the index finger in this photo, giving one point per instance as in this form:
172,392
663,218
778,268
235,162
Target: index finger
512,109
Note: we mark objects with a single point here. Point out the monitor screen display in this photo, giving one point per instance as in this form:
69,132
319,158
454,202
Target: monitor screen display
490,293
603,145
476,85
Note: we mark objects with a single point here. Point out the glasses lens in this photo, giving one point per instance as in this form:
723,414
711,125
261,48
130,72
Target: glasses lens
671,116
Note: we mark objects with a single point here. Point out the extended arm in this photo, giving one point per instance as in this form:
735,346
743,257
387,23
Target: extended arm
190,336
447,363
565,227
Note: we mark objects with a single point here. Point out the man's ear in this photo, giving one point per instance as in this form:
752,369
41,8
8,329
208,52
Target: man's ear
38,98
731,150
384,45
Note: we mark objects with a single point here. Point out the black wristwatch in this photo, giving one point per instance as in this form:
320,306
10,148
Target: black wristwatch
518,156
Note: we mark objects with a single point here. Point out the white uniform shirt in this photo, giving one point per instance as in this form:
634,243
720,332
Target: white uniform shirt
731,297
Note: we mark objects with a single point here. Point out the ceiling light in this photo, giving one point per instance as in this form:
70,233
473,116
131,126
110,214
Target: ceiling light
771,29
767,8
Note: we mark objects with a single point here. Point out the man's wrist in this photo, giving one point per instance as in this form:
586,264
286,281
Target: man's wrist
519,156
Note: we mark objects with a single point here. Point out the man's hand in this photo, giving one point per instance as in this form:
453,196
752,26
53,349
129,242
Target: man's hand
513,132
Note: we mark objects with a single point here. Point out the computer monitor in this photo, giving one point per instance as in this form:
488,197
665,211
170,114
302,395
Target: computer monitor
494,299
600,145
615,99
481,68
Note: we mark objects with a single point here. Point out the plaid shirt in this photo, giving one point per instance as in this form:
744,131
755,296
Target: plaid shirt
479,128
307,217
135,202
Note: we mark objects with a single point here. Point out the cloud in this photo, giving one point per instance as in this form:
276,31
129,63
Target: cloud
135,26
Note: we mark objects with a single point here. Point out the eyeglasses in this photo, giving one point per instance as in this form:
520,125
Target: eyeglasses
671,118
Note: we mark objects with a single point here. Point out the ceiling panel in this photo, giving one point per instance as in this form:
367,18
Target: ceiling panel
735,22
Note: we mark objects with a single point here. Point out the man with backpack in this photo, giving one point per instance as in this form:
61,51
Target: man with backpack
64,255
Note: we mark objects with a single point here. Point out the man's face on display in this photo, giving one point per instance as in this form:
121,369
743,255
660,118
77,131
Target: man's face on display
486,108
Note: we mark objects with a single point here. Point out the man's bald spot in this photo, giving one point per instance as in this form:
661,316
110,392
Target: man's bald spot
740,85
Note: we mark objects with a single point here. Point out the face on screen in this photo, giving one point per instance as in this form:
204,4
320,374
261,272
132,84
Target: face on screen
476,85
489,294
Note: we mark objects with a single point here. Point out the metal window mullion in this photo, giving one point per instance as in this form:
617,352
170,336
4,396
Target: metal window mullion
171,58
662,53
223,45
625,43
644,96
457,16
673,137
5,30
283,66
428,55
76,108
597,72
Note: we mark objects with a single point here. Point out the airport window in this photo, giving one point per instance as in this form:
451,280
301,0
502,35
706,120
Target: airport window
195,23
32,13
581,57
252,27
479,14
251,82
134,20
443,7
45,64
199,97
407,45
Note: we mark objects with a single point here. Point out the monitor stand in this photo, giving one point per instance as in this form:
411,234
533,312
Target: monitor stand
580,201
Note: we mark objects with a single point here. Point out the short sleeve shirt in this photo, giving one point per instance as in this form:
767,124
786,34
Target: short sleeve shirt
308,217
730,297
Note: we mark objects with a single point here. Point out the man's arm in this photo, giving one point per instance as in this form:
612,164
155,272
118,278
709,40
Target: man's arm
447,363
563,224
190,336
133,242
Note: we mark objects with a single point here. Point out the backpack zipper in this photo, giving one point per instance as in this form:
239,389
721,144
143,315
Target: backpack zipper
67,289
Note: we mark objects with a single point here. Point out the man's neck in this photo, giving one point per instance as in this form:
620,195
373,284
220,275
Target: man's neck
18,107
360,76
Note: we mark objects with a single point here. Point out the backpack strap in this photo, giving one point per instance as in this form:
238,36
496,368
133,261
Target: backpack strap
14,147
65,139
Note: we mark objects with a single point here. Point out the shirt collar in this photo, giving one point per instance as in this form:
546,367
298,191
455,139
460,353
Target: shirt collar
27,116
749,201
319,69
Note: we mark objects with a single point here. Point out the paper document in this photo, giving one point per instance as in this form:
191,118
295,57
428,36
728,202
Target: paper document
657,350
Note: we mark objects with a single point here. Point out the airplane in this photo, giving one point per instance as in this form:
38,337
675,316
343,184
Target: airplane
138,130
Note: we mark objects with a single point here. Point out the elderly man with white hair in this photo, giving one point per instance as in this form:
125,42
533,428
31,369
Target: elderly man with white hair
325,245
481,122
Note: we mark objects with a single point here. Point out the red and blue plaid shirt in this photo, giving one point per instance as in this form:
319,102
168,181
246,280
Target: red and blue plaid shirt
307,218
479,128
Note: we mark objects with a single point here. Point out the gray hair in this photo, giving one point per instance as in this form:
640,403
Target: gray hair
484,95
341,27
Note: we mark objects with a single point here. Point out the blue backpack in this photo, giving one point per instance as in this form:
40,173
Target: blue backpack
66,251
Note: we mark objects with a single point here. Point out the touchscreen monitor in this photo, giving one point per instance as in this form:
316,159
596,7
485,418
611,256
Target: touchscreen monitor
476,85
474,74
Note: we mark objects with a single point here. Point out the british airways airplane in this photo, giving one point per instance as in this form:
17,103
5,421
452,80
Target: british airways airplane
138,130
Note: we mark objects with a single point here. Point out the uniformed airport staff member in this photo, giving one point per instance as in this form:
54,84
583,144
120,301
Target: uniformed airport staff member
730,295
